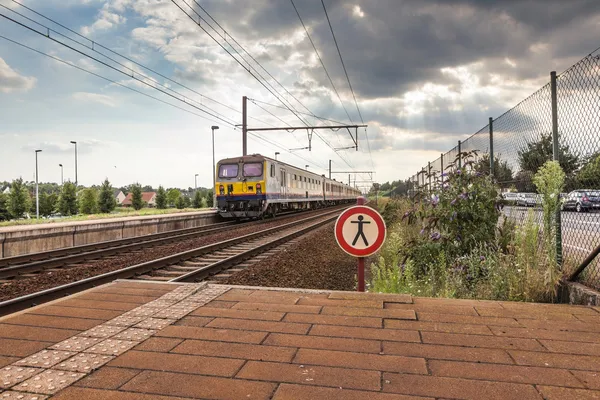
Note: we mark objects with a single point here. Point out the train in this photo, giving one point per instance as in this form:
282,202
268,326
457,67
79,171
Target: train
255,186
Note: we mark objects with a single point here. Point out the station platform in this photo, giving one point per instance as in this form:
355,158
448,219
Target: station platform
138,340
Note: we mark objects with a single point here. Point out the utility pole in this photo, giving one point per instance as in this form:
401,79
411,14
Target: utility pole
76,181
244,127
37,191
61,174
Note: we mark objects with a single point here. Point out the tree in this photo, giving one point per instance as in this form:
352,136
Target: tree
88,201
106,199
136,197
502,172
197,203
67,201
187,203
161,198
180,202
209,199
4,214
19,200
539,152
589,175
48,204
172,196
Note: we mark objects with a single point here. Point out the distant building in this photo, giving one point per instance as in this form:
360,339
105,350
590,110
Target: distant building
119,197
147,197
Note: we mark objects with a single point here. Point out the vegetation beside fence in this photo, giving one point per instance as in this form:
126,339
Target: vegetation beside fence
453,241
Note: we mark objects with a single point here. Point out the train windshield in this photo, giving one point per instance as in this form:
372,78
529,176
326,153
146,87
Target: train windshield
253,169
228,170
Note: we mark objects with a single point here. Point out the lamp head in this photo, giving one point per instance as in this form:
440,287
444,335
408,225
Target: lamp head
214,127
73,142
38,151
60,165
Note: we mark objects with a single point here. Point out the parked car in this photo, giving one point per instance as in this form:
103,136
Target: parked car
527,199
582,200
509,196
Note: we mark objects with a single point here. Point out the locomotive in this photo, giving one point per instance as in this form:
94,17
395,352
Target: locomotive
255,186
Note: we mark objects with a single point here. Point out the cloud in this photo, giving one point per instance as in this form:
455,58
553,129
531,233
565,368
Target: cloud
107,18
96,98
84,146
12,81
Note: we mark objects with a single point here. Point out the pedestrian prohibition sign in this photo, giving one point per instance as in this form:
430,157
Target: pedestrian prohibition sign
360,231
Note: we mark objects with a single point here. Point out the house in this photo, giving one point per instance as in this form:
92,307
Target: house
147,197
119,196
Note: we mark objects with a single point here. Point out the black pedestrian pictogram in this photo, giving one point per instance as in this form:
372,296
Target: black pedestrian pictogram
360,232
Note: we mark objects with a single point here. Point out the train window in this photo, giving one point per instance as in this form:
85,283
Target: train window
273,170
253,169
228,170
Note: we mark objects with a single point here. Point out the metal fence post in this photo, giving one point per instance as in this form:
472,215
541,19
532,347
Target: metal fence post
429,173
442,170
555,157
459,155
491,125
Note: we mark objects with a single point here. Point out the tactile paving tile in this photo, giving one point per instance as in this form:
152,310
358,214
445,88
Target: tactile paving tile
84,362
207,294
124,321
76,343
142,311
11,375
161,303
155,323
45,358
135,334
112,347
103,331
21,396
49,382
175,313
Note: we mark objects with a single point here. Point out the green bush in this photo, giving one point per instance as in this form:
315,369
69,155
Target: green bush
451,242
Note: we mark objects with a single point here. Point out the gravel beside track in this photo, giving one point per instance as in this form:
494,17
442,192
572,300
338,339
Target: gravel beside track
55,277
315,262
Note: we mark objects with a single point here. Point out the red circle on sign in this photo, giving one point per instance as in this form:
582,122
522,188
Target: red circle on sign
339,237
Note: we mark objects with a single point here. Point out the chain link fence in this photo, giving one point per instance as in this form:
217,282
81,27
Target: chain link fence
522,139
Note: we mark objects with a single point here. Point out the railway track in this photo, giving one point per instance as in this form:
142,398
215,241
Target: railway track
27,264
187,266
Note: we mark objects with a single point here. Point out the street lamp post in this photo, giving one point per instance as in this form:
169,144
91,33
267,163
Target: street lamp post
195,182
76,181
306,167
276,154
62,181
37,191
214,166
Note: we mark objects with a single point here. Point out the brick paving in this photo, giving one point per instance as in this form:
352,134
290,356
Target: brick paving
132,340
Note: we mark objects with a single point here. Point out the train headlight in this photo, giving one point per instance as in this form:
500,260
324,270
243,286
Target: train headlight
258,188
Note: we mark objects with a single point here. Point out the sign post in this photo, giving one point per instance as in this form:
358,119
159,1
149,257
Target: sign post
360,231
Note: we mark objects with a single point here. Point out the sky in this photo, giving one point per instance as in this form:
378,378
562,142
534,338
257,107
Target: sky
425,74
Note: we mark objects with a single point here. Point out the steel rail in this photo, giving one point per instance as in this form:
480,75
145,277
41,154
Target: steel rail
33,299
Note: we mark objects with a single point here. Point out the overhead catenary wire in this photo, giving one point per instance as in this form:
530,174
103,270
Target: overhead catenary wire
347,77
117,69
321,61
248,68
133,61
105,78
271,142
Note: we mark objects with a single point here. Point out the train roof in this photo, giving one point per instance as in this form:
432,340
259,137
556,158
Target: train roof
260,157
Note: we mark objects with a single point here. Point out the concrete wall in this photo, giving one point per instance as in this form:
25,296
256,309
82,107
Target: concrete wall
576,293
19,240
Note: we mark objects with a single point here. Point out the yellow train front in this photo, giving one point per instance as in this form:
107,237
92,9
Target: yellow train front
254,186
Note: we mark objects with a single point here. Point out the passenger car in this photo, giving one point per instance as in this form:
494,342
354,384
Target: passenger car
582,200
527,199
253,186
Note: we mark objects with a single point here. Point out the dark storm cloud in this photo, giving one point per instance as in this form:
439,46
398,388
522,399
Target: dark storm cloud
399,45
